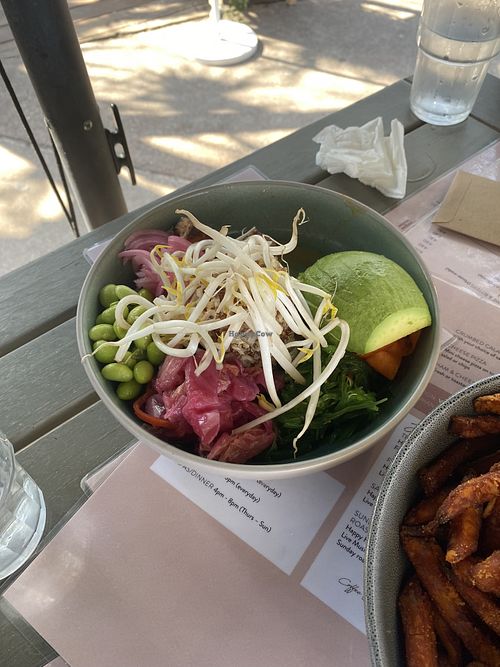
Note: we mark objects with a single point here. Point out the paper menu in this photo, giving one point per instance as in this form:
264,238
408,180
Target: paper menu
336,575
278,519
475,351
470,265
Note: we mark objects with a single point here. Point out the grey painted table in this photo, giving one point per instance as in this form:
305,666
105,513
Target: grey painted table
49,410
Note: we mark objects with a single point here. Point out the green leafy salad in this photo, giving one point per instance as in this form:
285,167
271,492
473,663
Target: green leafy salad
349,400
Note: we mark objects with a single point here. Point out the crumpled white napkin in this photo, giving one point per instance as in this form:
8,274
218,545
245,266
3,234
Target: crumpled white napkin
364,153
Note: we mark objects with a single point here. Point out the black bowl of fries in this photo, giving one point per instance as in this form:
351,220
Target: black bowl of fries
432,565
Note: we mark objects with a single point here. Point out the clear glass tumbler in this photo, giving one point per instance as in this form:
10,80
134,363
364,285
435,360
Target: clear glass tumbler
456,41
22,512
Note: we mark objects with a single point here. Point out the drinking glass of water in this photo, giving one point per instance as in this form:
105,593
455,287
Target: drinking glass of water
456,41
22,512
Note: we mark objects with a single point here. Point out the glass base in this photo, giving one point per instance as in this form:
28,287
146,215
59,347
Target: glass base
31,544
438,119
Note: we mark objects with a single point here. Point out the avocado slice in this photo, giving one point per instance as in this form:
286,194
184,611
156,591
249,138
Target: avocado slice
377,298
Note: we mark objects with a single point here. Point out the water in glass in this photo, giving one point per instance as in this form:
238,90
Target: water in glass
456,41
22,512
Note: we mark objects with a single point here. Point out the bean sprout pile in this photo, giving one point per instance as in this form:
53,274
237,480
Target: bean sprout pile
221,289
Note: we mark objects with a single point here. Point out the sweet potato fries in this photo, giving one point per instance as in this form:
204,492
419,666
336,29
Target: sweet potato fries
449,605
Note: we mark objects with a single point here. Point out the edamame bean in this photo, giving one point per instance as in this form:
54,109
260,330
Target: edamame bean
119,331
146,294
127,391
143,372
108,316
131,358
104,353
107,295
102,332
99,320
124,290
155,356
134,313
117,372
142,343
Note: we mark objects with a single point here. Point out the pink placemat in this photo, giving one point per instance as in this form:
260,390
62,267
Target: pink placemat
142,576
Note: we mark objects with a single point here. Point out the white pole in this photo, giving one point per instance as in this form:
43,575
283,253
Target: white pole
214,17
214,11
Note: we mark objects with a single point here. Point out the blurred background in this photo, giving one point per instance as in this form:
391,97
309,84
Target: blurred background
183,119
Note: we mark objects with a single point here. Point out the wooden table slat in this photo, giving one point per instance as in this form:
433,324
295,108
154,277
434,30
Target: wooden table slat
60,459
487,106
42,294
20,645
442,149
44,385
